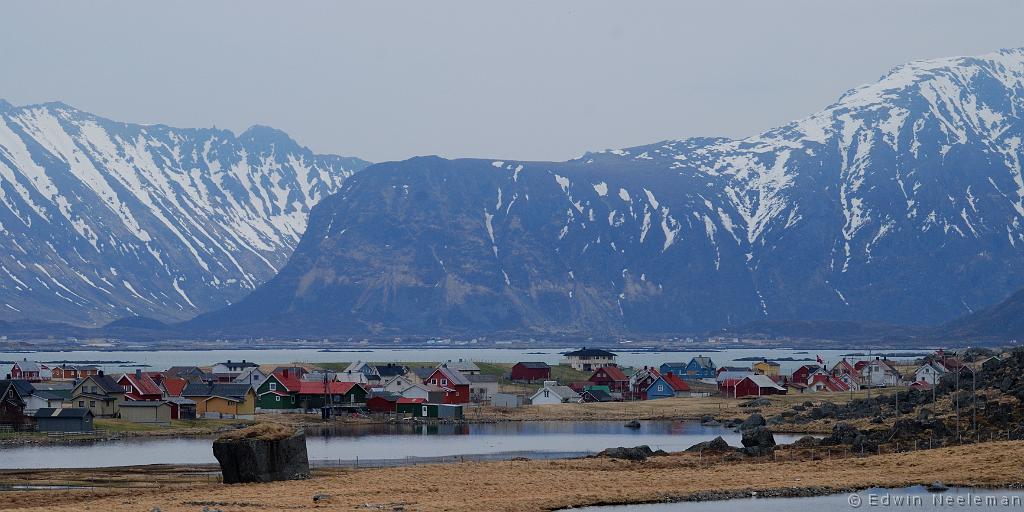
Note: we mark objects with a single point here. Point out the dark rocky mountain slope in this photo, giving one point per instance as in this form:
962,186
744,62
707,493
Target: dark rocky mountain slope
899,204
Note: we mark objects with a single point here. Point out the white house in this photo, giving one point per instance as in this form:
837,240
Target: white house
849,379
252,376
552,393
590,359
362,367
44,399
879,373
930,373
232,369
397,384
482,387
347,376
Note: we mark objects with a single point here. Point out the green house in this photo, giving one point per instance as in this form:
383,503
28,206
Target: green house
274,394
311,395
425,410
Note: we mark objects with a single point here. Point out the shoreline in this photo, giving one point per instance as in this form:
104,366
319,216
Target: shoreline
677,477
782,492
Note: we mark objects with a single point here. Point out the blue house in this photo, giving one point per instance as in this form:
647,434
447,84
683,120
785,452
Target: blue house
673,368
699,367
668,385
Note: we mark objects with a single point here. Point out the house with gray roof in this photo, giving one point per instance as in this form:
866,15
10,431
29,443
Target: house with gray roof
553,393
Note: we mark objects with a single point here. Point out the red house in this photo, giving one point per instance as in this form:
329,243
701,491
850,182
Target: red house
758,385
612,377
530,371
803,373
140,386
454,384
30,371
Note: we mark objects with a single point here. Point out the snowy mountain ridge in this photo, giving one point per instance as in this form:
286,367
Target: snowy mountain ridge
105,219
900,203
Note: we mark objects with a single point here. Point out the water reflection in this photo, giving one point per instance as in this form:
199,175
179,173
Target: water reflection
390,441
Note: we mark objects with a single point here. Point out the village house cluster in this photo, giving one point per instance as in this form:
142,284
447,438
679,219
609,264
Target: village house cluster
67,398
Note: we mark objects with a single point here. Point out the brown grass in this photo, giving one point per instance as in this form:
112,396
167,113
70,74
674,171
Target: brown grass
260,431
668,409
500,486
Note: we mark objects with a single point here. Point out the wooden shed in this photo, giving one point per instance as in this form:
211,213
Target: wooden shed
152,412
70,419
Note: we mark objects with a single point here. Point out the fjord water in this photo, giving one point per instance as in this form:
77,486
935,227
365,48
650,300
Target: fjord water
163,359
383,441
910,498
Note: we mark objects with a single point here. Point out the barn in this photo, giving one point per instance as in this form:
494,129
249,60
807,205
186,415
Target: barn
758,385
529,371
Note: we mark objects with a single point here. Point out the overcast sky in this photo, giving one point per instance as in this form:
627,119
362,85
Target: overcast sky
527,80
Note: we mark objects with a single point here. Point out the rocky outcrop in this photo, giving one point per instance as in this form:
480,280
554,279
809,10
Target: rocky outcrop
641,452
262,454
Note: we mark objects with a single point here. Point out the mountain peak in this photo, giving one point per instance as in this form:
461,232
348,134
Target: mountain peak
162,222
825,218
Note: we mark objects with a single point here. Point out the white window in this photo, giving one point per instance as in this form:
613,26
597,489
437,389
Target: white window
277,398
444,382
433,382
424,411
661,387
273,386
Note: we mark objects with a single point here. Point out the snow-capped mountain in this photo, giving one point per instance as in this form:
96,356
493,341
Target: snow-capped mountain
902,203
101,220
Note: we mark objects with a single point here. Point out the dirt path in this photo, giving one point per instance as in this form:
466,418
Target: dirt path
535,485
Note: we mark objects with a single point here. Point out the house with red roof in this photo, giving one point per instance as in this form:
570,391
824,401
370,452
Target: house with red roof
140,386
824,382
173,386
611,376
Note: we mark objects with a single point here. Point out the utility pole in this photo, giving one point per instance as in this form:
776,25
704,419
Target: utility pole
956,399
324,411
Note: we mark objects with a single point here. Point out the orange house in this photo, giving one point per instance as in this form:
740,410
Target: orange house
222,400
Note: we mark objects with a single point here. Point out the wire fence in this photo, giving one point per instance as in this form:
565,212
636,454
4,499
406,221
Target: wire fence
444,459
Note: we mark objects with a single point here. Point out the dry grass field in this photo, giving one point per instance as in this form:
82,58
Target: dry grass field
499,486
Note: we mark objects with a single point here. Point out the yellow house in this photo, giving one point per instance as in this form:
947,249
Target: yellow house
217,400
768,368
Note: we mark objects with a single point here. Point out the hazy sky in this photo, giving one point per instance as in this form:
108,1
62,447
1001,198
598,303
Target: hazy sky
528,80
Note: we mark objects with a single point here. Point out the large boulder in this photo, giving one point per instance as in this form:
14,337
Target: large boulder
758,441
755,420
715,445
262,453
635,453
